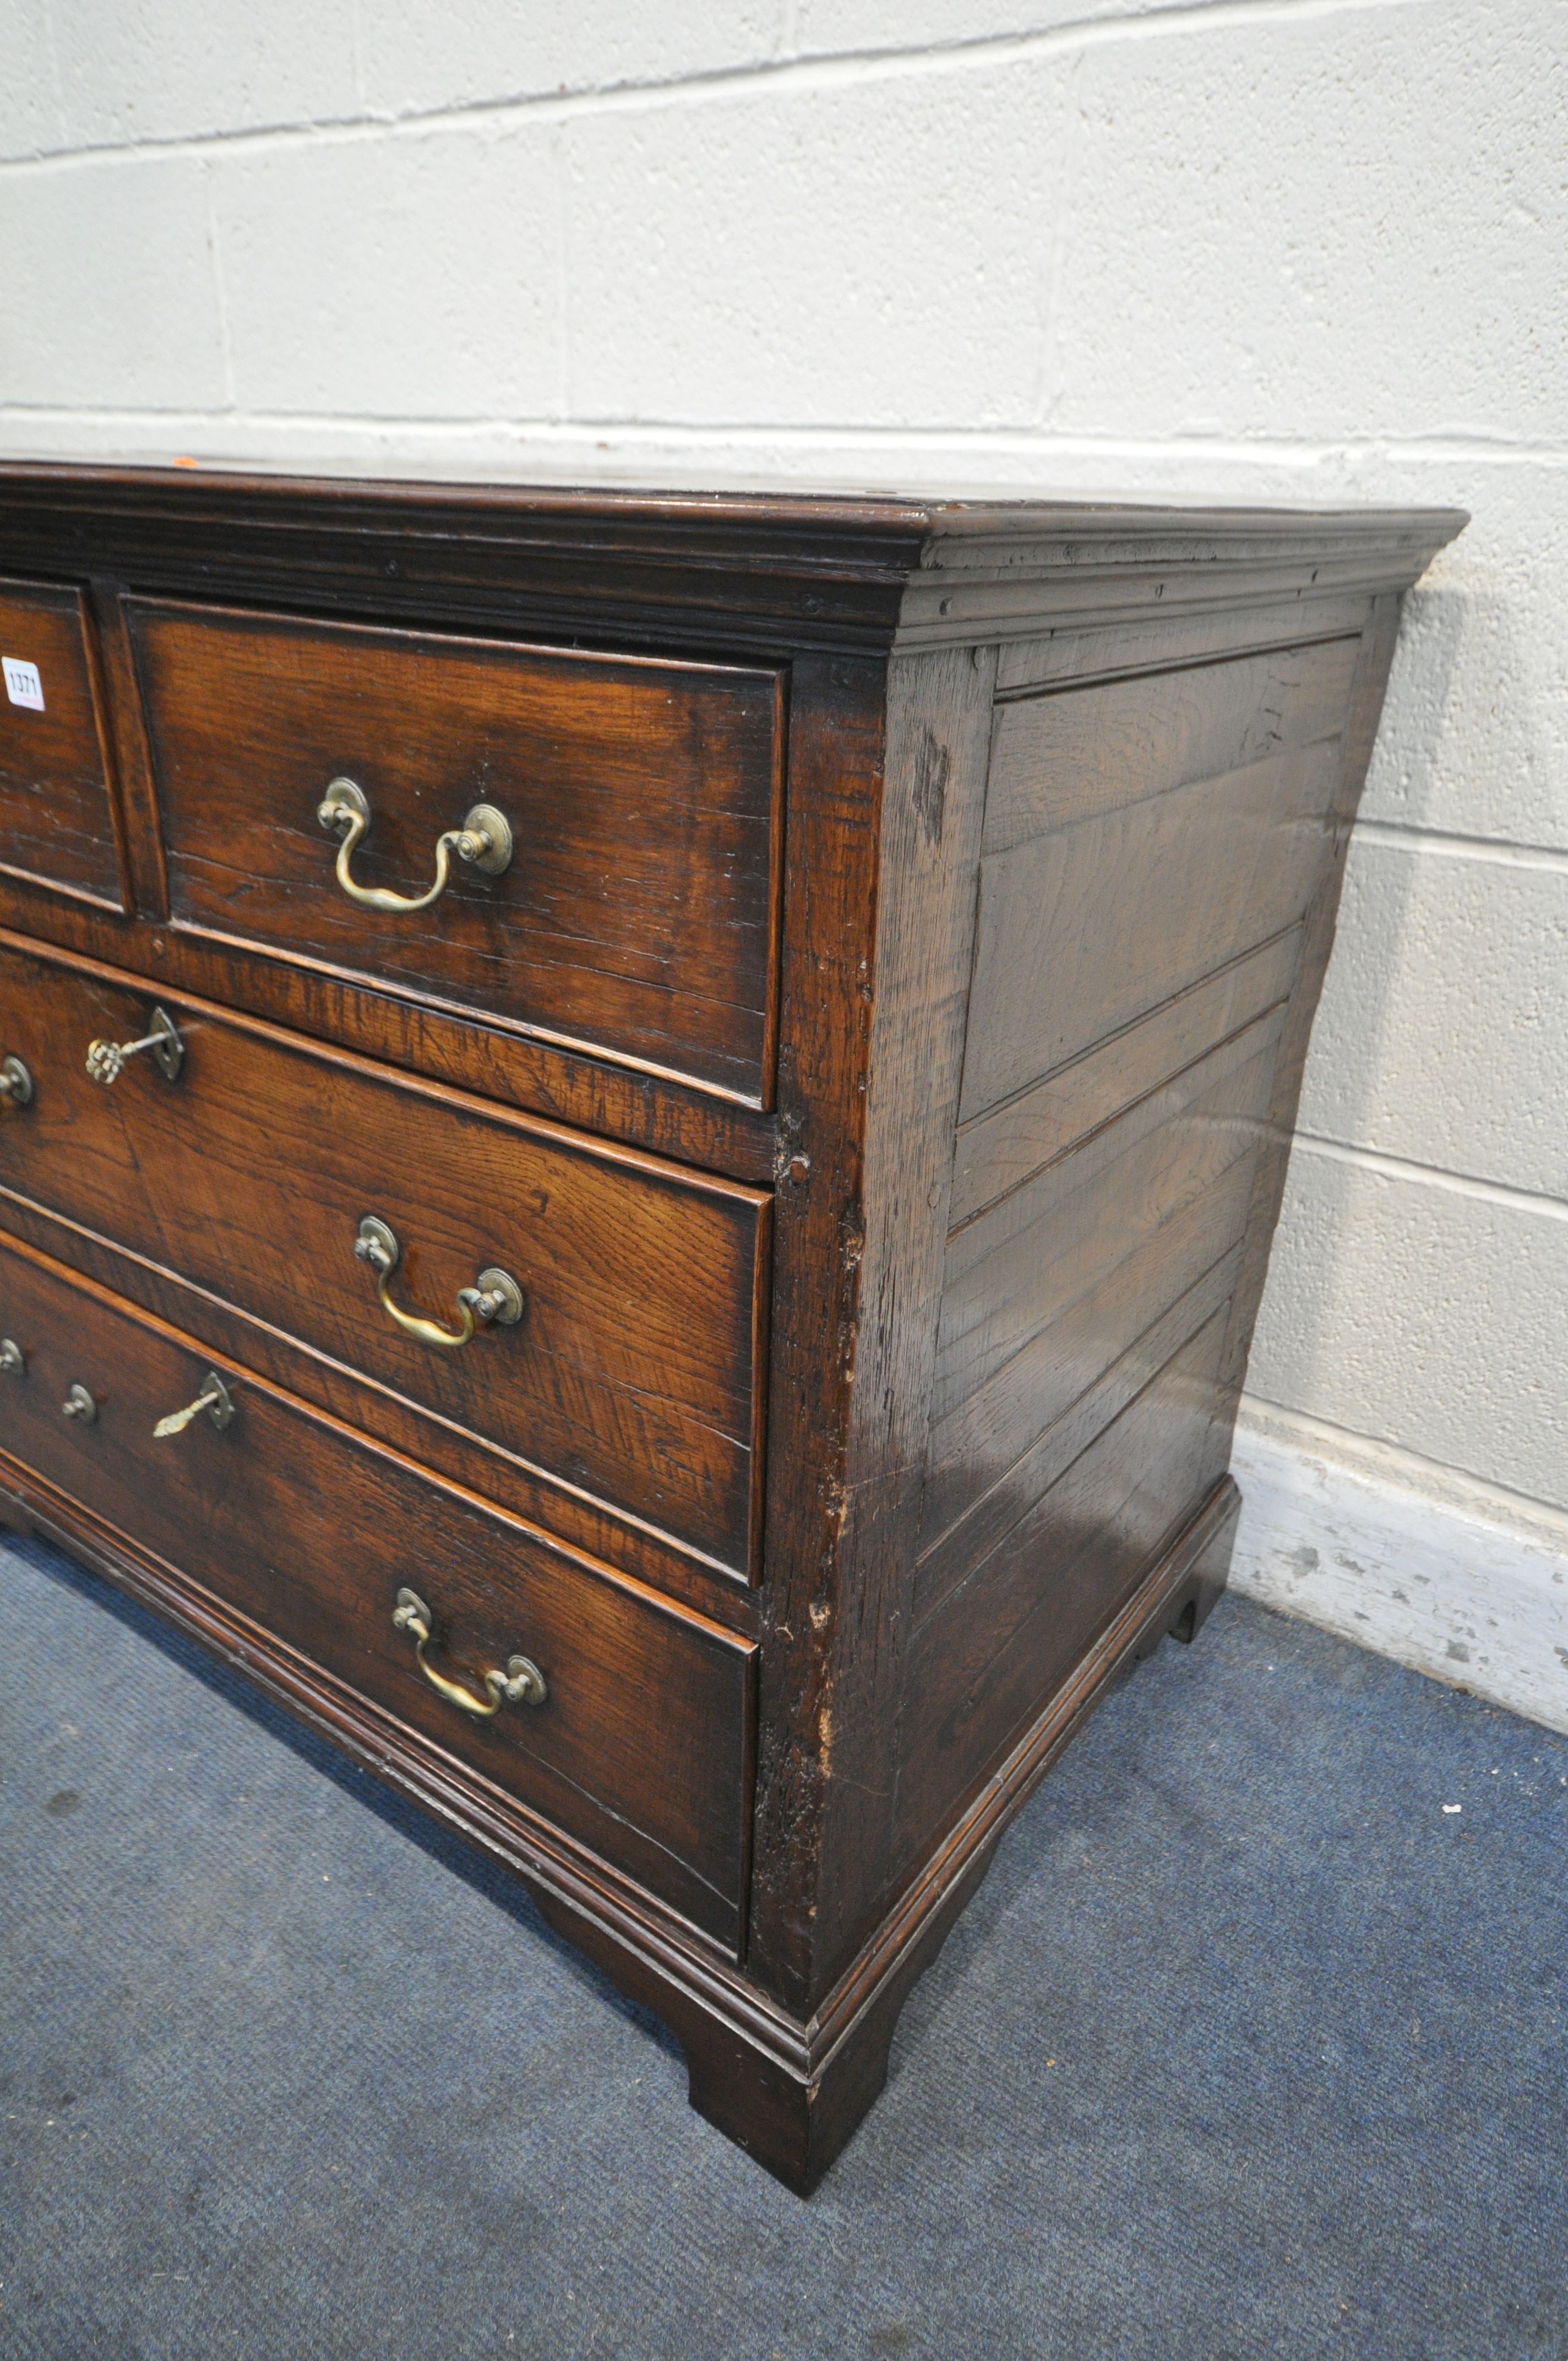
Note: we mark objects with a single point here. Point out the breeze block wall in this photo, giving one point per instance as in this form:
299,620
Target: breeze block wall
1257,249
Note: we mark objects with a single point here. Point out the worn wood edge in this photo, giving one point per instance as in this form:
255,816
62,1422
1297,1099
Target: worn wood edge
1013,606
34,880
732,571
927,1907
936,753
837,747
439,638
869,529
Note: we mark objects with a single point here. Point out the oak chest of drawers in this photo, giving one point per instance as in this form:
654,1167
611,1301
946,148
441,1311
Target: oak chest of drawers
638,1146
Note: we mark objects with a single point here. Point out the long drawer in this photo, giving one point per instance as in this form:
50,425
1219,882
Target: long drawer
632,1375
625,900
641,1746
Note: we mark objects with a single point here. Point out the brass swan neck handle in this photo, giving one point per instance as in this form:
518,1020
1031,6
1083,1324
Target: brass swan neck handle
484,842
494,1299
522,1683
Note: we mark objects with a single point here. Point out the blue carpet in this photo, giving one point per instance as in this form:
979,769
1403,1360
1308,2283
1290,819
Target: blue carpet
1244,2047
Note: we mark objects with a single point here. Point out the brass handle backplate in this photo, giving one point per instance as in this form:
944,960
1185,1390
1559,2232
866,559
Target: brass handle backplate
495,1300
215,1399
522,1683
79,1403
106,1060
484,842
13,1360
16,1083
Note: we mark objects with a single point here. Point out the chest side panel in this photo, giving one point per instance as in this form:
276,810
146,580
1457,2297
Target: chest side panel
1153,845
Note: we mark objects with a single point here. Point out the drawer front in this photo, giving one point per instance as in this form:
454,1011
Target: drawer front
640,1748
55,820
634,1373
636,914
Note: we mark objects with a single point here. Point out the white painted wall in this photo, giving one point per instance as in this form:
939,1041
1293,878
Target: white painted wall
1308,249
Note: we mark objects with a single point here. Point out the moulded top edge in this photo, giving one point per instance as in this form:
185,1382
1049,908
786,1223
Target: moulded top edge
1049,527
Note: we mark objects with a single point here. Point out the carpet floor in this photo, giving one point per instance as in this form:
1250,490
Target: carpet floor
1247,2046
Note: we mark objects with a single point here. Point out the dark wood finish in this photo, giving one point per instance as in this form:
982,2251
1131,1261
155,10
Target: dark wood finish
1172,825
638,915
641,1749
842,1579
1199,875
386,1417
1002,1148
1371,678
1063,793
791,2094
1012,1634
56,817
1069,754
667,1118
634,1374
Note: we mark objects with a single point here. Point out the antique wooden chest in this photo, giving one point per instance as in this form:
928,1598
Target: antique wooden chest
638,1143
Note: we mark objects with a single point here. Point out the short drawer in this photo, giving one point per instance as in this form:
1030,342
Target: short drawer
55,820
640,1747
634,1373
635,913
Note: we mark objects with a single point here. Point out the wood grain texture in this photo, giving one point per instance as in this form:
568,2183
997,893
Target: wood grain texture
996,1152
1365,703
791,2092
988,1512
140,838
673,1119
1150,843
56,817
638,915
583,1524
635,1376
983,1665
1037,1251
1067,756
1193,879
837,721
1217,633
1021,1158
717,570
875,1197
641,1750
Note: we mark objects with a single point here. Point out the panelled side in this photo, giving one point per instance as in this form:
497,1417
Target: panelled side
1158,822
